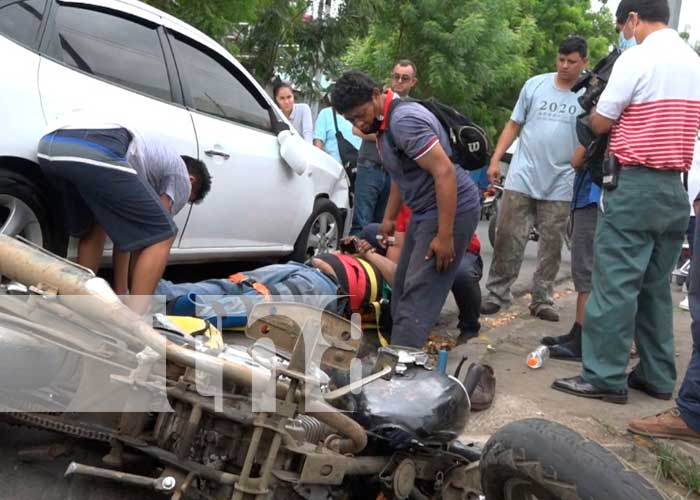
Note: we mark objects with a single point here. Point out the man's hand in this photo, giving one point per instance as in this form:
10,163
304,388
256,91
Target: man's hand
167,202
493,174
363,247
386,229
443,249
578,160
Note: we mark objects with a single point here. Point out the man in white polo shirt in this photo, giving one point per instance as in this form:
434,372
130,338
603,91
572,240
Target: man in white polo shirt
651,107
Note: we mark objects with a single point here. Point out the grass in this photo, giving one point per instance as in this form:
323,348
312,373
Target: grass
673,466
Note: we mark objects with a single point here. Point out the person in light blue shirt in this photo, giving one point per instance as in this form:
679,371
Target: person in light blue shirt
324,132
539,181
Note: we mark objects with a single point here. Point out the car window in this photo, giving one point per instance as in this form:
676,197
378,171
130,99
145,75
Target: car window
21,21
112,47
215,89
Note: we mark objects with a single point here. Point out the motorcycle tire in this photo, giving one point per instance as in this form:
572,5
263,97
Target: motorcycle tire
537,458
493,222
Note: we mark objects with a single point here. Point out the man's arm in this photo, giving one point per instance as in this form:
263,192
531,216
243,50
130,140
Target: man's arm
439,165
167,202
393,206
579,157
599,123
505,140
386,267
365,137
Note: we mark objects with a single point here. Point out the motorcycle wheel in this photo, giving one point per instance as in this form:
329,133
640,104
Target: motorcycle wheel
535,458
493,222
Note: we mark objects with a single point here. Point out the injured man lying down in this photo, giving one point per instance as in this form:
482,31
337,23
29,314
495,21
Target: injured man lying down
354,280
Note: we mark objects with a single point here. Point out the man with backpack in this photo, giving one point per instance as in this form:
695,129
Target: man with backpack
372,184
539,181
415,149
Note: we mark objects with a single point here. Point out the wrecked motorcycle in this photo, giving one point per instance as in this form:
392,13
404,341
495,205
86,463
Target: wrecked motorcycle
302,407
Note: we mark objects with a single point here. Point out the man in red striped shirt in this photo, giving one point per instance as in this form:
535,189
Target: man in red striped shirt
651,107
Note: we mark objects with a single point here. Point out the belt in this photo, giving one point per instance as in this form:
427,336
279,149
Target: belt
637,166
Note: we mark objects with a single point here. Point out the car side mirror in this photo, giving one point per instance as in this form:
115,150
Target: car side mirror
294,150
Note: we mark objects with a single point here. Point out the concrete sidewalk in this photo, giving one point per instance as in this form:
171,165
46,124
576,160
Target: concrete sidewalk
506,340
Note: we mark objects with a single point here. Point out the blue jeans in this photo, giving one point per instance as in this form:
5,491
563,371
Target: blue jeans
372,186
689,396
466,288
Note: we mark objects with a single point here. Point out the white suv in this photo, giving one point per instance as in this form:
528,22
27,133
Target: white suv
125,58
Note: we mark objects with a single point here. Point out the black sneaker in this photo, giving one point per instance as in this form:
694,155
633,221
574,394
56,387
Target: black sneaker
490,308
570,351
561,339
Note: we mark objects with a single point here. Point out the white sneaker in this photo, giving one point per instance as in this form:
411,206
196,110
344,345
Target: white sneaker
684,304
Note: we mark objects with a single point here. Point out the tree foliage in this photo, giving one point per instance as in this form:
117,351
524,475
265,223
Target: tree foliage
216,18
285,40
476,55
472,54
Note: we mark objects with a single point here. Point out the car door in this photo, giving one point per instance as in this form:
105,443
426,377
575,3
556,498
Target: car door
257,205
111,64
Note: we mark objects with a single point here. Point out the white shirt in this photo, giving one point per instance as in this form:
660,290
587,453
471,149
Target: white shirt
654,93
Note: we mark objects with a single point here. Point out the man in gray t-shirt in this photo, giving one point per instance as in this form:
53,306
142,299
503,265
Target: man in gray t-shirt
442,197
115,183
539,182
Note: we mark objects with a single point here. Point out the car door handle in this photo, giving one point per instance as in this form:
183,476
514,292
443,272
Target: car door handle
214,152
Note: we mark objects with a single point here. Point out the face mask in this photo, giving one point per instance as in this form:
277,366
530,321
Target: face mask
374,128
625,43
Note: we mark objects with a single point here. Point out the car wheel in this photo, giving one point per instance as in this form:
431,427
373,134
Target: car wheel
24,211
321,233
537,459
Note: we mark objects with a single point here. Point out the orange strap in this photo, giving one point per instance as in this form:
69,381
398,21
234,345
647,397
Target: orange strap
240,278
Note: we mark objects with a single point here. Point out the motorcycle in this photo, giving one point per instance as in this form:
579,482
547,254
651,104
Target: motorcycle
301,407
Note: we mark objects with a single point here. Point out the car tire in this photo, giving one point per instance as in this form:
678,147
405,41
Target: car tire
24,211
321,233
537,458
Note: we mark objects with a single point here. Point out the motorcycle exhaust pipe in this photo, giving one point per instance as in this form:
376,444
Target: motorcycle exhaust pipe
37,267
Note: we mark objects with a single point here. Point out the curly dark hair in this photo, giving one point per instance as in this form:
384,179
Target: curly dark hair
352,89
202,177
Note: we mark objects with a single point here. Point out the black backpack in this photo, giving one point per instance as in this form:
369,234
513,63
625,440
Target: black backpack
348,152
471,148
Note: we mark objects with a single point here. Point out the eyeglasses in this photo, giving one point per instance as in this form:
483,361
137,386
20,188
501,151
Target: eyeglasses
401,78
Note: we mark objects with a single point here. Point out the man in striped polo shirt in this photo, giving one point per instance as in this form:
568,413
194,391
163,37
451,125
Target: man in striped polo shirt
651,107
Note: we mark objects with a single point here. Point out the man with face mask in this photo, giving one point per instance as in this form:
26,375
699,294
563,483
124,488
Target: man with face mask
373,183
651,107
443,199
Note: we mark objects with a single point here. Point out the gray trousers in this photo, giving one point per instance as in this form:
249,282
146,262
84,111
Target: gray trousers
516,212
419,290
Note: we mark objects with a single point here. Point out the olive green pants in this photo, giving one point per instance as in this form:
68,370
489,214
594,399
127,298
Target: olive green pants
641,226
